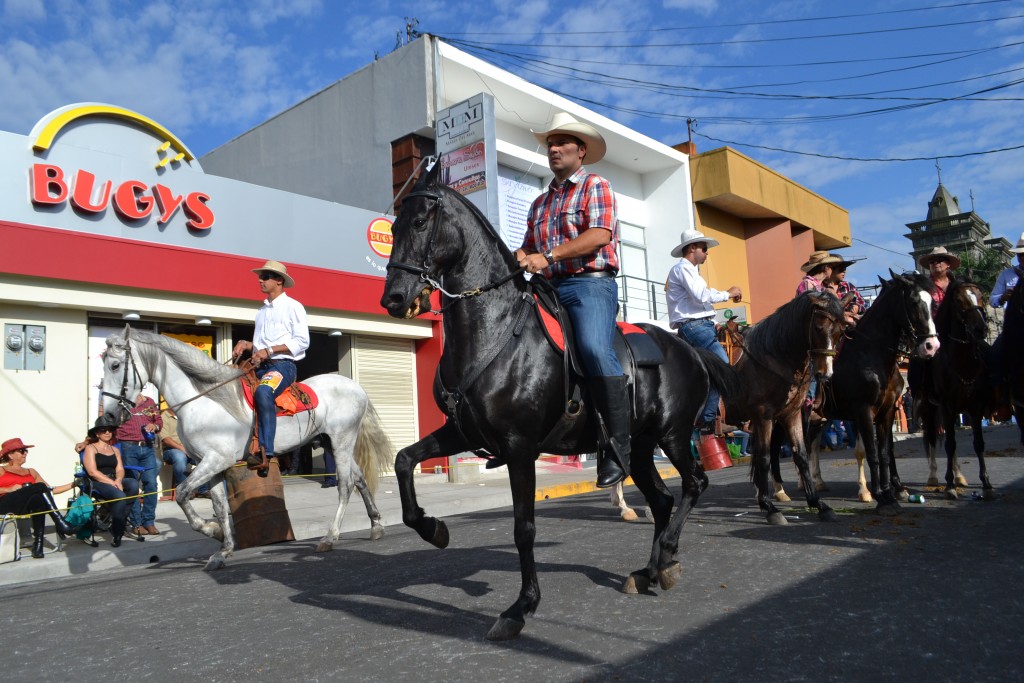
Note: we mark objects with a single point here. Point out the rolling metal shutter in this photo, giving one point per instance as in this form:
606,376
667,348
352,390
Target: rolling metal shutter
385,368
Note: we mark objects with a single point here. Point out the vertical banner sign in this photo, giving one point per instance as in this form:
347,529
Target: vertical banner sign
468,154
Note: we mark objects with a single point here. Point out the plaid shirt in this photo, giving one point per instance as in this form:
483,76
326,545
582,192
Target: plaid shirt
145,412
843,288
564,212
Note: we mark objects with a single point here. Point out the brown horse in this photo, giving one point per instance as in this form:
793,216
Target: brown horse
958,382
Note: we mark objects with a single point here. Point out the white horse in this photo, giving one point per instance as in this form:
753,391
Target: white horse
214,424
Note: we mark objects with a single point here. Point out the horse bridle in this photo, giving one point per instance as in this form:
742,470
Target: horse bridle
122,399
424,272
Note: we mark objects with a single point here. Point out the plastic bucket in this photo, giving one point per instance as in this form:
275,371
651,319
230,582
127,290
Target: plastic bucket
714,454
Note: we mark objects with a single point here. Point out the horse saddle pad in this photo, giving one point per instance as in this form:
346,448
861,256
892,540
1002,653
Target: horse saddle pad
632,343
296,398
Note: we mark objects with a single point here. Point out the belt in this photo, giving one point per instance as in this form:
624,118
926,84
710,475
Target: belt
138,443
687,321
586,273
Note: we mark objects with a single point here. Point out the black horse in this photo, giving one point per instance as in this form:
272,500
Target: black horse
503,386
958,382
1012,340
864,386
780,355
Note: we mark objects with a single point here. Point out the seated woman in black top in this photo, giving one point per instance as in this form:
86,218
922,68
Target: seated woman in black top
106,474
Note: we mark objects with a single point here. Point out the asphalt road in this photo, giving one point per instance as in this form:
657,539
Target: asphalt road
932,595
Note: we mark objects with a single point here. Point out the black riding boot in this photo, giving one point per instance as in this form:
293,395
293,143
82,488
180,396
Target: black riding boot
63,528
612,403
38,526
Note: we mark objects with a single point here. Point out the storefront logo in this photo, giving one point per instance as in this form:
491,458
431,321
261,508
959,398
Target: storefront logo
378,234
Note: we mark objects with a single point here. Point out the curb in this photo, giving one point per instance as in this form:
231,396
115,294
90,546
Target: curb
578,487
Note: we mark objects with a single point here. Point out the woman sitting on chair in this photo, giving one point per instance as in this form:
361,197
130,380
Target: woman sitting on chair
24,492
103,464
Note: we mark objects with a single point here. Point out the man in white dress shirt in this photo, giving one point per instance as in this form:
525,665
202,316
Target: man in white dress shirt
690,308
280,338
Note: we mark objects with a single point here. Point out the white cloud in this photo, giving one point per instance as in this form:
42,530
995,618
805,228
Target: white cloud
32,10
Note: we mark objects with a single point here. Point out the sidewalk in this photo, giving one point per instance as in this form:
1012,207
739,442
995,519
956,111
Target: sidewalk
310,507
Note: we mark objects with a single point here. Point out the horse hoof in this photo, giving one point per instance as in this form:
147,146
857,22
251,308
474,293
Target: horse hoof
777,519
439,539
377,533
505,629
629,515
828,516
214,563
669,576
951,494
782,497
903,496
889,510
988,494
933,481
636,584
323,547
865,497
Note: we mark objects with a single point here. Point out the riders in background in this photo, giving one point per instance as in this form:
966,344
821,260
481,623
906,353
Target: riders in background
572,232
1009,278
940,264
1001,293
841,286
818,273
280,337
690,309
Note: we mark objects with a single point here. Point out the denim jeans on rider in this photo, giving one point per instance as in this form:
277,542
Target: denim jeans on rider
700,333
143,457
264,398
592,304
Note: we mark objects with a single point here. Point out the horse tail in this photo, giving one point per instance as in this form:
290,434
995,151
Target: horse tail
723,376
374,452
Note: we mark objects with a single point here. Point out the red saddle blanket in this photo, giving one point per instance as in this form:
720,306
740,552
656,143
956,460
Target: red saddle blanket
554,330
297,398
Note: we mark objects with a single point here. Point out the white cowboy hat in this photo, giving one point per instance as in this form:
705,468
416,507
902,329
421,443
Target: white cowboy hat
939,253
564,123
690,237
279,268
820,258
1019,249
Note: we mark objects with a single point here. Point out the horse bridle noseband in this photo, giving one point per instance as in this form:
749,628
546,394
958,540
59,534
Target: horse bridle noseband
424,272
122,399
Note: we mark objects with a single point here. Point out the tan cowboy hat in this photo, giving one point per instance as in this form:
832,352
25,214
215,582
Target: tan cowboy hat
820,258
564,123
12,445
1019,249
692,237
279,268
937,254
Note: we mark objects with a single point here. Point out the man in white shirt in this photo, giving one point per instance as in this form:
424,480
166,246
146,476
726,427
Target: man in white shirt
1001,293
280,338
690,308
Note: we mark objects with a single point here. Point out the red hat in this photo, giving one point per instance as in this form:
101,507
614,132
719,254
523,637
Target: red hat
12,445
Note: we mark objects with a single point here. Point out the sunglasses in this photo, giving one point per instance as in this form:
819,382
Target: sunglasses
268,276
23,451
101,430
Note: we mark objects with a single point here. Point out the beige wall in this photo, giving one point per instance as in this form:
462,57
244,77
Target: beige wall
45,407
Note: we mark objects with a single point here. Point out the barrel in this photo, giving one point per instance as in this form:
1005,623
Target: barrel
714,454
257,507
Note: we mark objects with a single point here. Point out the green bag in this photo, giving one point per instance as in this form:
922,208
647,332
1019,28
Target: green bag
734,450
79,514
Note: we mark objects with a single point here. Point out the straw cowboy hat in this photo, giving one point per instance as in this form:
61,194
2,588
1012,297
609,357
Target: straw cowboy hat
279,268
12,445
1019,249
691,237
842,263
937,254
563,123
820,258
103,422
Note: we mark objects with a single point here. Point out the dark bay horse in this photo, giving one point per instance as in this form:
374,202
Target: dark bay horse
780,355
958,381
504,386
864,386
1012,337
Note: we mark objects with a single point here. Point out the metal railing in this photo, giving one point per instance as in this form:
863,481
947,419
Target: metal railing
641,299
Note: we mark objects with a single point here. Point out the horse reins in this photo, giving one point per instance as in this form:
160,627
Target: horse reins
424,272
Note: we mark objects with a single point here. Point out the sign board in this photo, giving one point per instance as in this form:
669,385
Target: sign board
467,151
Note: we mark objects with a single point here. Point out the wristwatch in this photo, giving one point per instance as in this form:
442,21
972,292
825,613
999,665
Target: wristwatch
550,257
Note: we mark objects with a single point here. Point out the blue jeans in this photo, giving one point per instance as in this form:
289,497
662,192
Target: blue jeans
330,467
592,304
144,513
264,397
179,463
700,333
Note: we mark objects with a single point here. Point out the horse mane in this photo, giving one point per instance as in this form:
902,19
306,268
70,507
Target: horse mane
203,372
784,332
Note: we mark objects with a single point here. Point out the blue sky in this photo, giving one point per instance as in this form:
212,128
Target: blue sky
850,80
